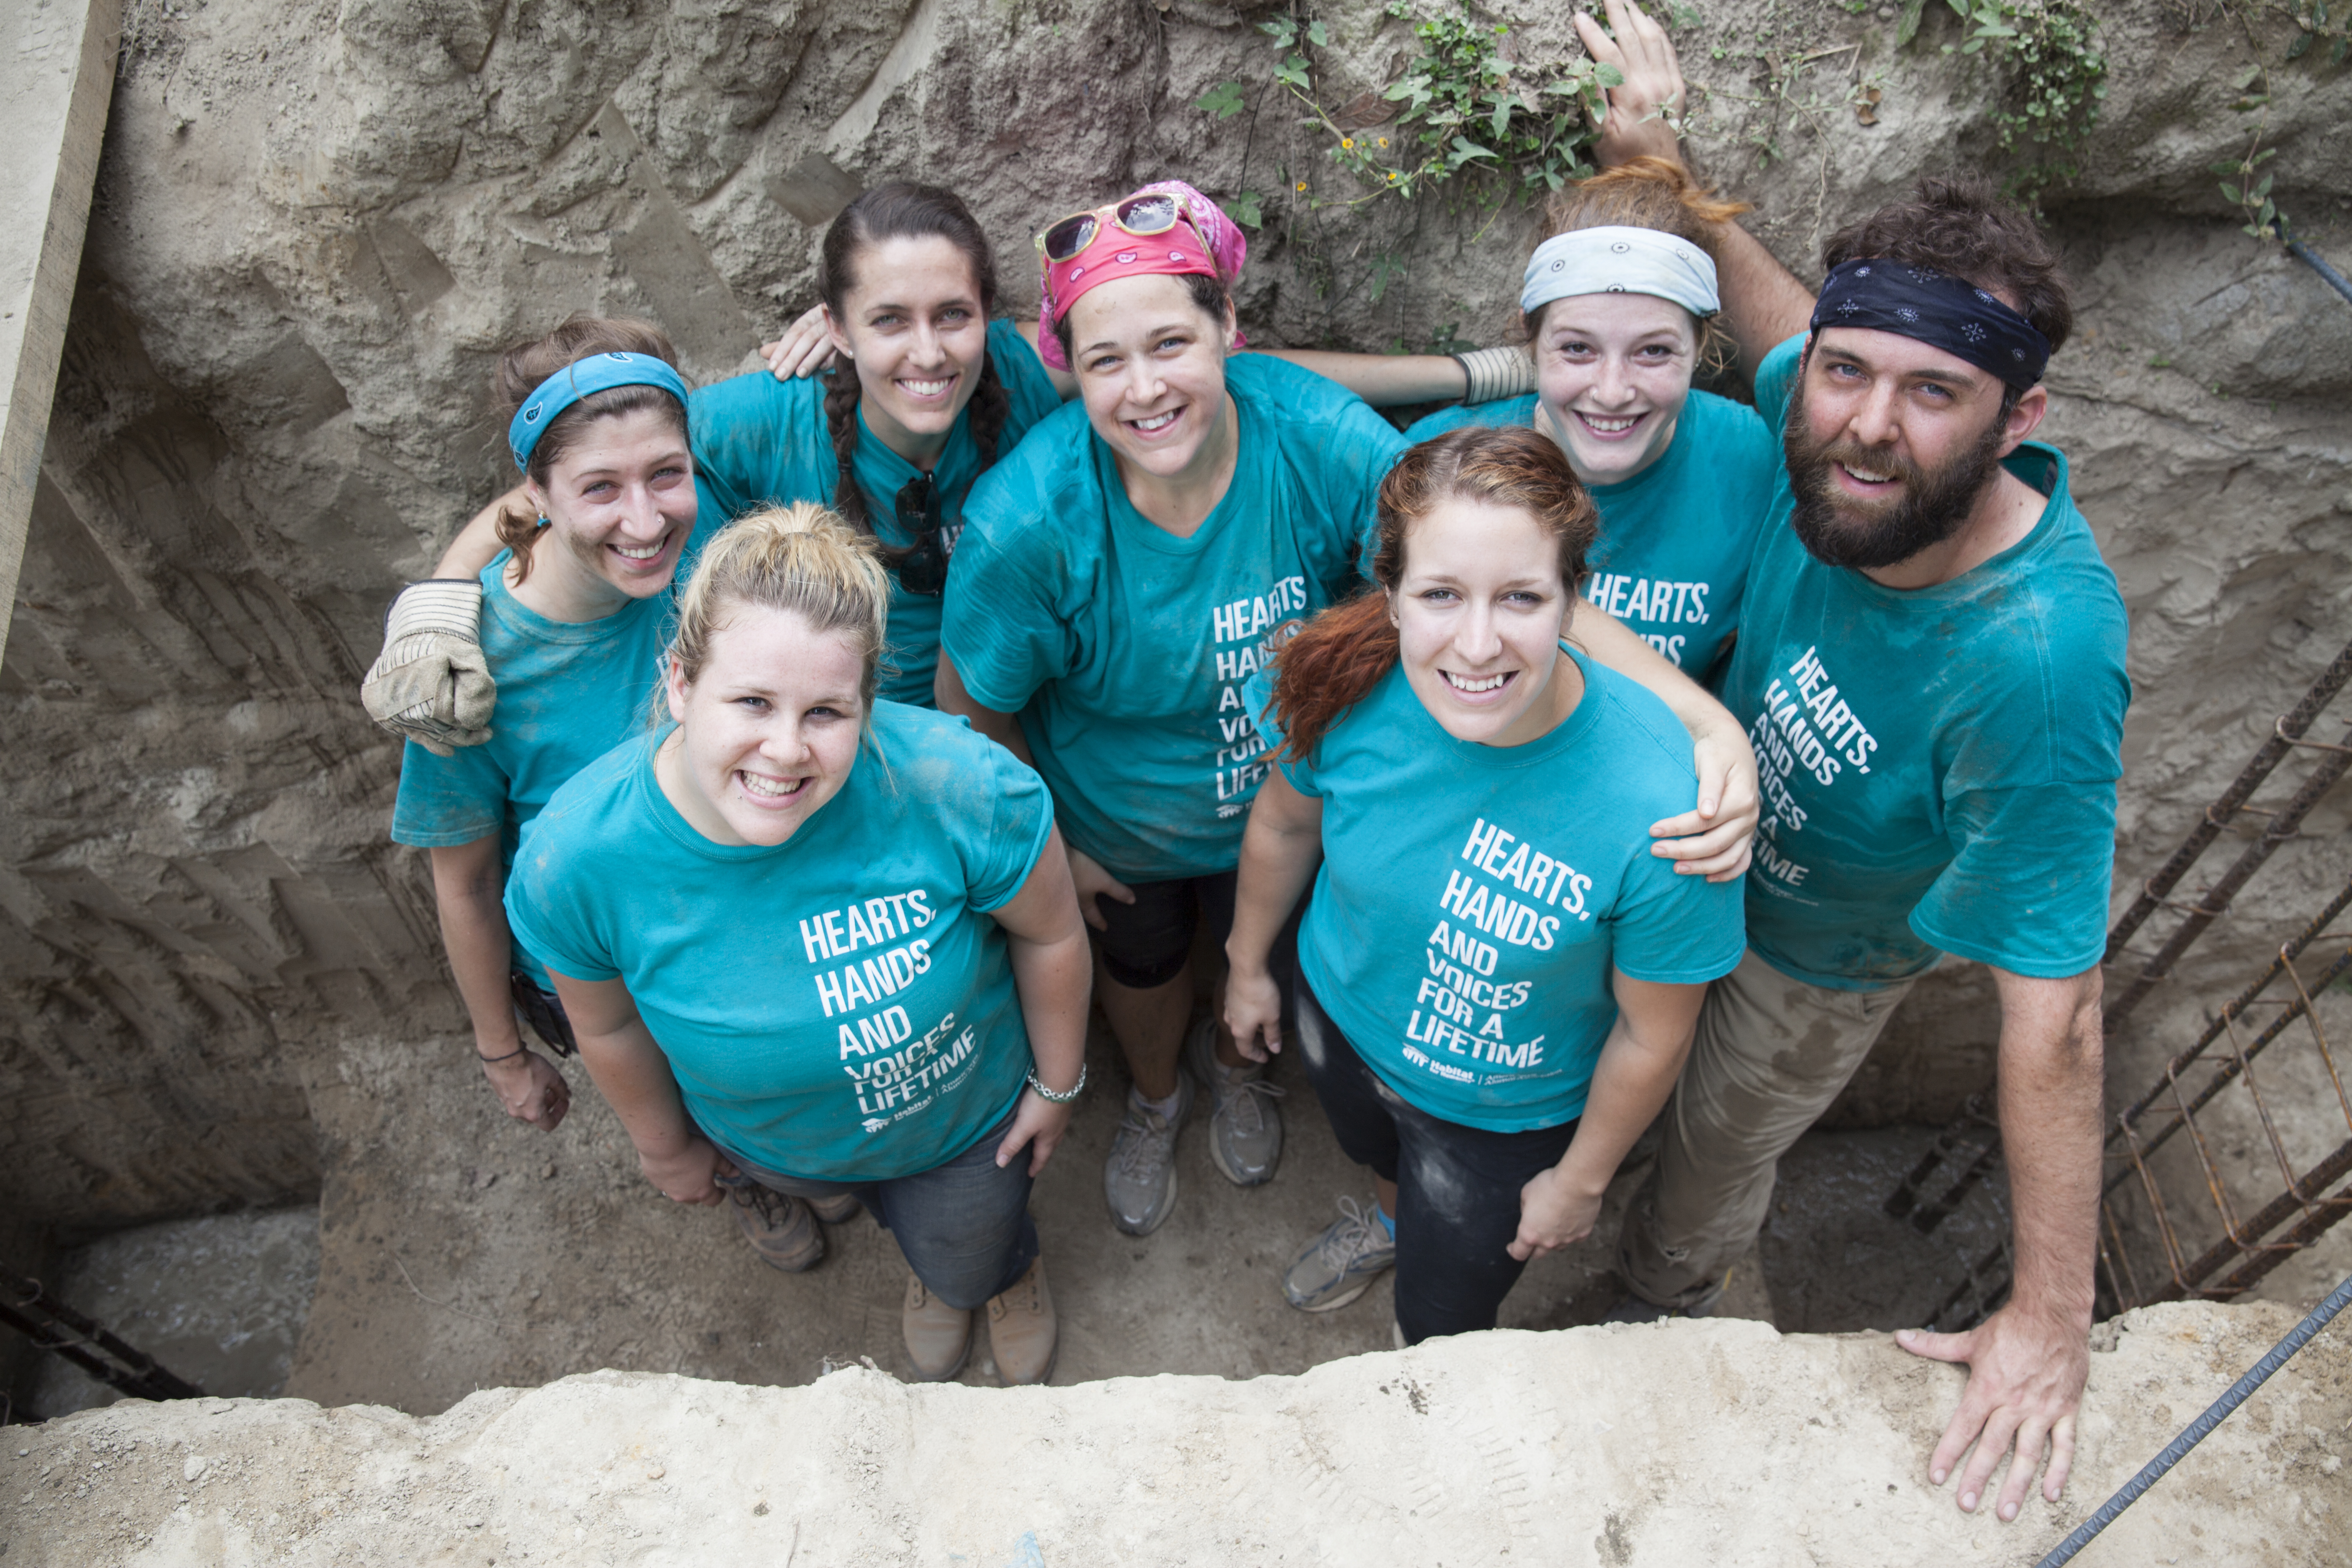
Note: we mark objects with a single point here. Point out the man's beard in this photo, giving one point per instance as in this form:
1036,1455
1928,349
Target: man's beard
1929,510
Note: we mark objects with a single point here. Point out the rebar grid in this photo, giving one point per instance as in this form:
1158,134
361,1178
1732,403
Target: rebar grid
2171,1105
2303,1195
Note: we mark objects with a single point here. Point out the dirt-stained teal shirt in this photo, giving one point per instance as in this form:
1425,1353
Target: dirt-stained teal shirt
1124,648
1938,765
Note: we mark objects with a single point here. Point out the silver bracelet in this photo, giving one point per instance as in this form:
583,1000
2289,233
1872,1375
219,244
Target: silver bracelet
1050,1096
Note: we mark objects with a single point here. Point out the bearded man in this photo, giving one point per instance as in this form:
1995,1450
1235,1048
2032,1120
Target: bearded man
1931,662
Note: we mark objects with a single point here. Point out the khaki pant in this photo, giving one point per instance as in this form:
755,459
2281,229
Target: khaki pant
1770,1055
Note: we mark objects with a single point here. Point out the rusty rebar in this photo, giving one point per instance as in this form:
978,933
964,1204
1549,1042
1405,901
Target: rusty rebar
55,1327
2224,1074
2284,734
2216,902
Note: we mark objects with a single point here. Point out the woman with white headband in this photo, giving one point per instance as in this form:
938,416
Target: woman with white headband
1622,310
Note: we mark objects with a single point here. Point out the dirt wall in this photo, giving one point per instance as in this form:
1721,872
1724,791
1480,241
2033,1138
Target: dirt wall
315,225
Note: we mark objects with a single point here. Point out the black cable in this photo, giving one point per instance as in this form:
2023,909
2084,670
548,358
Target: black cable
2195,1431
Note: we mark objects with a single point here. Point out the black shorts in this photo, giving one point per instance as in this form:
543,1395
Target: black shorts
544,1011
1148,940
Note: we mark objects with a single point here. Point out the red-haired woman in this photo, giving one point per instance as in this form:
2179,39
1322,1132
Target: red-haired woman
1497,980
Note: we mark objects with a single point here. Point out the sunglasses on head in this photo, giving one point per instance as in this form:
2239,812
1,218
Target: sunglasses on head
924,567
1141,216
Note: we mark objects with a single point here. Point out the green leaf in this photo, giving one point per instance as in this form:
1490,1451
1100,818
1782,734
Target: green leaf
1318,37
2246,77
2263,189
2231,194
2343,46
1248,209
1607,76
1292,72
1466,149
2300,46
1906,26
1224,100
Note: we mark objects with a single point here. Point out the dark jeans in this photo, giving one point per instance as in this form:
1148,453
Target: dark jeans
965,1225
543,1012
1457,1187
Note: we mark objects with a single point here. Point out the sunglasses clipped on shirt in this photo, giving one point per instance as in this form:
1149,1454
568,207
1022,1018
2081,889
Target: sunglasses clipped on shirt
924,568
1142,216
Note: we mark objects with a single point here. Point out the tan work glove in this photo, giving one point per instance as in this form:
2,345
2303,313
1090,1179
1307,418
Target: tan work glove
431,683
1496,372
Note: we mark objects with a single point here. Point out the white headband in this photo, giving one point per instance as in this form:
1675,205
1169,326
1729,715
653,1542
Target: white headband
1619,260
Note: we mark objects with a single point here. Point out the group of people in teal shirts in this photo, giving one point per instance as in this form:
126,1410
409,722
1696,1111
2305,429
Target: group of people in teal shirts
813,751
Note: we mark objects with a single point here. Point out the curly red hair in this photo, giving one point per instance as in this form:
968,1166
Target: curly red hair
1340,656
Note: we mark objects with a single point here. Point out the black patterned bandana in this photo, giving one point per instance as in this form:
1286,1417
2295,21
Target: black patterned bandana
1937,309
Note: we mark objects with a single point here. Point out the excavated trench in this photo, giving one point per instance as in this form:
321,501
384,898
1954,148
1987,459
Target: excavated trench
227,1010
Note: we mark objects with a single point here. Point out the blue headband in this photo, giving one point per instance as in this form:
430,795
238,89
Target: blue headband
1616,259
597,373
1942,311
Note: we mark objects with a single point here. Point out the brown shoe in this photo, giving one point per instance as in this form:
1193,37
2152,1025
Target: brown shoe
1021,1329
939,1336
838,1209
780,1228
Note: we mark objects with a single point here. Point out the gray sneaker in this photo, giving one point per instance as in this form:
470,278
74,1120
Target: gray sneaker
1140,1177
1244,1124
1341,1264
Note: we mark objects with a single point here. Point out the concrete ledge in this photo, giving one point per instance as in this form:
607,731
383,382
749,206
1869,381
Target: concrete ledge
1715,1443
59,77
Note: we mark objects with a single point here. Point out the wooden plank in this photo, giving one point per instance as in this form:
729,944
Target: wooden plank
56,78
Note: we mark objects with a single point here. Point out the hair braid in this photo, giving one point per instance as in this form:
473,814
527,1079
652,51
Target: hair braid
840,394
989,408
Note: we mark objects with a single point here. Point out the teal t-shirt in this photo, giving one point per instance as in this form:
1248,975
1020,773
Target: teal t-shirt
1672,558
568,693
1472,900
1124,648
1938,765
759,441
837,1007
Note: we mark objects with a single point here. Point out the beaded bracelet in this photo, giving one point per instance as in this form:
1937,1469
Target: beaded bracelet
1063,1098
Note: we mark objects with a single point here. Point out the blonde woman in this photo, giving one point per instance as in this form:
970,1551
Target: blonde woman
822,944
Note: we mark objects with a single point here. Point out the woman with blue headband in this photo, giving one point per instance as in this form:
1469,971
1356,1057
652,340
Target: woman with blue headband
926,393
573,617
1621,308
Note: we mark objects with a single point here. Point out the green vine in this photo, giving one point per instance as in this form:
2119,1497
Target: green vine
2060,77
1463,109
2314,26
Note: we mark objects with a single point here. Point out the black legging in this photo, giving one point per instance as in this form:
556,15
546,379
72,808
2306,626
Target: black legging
1457,1187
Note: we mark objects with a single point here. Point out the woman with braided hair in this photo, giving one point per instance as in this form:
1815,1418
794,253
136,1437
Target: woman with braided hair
924,394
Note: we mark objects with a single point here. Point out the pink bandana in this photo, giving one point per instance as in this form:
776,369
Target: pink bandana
1116,253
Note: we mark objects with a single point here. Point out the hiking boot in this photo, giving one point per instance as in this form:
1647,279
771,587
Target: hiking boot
1244,1124
939,1336
1341,1264
1023,1329
1140,1177
838,1209
780,1228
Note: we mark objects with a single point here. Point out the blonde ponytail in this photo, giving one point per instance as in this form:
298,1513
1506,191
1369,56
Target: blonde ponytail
801,558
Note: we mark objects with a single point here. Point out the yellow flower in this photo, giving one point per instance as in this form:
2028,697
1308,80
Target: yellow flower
1347,141
1302,184
1392,174
1385,141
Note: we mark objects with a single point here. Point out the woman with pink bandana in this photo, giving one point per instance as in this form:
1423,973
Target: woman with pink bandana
1121,575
